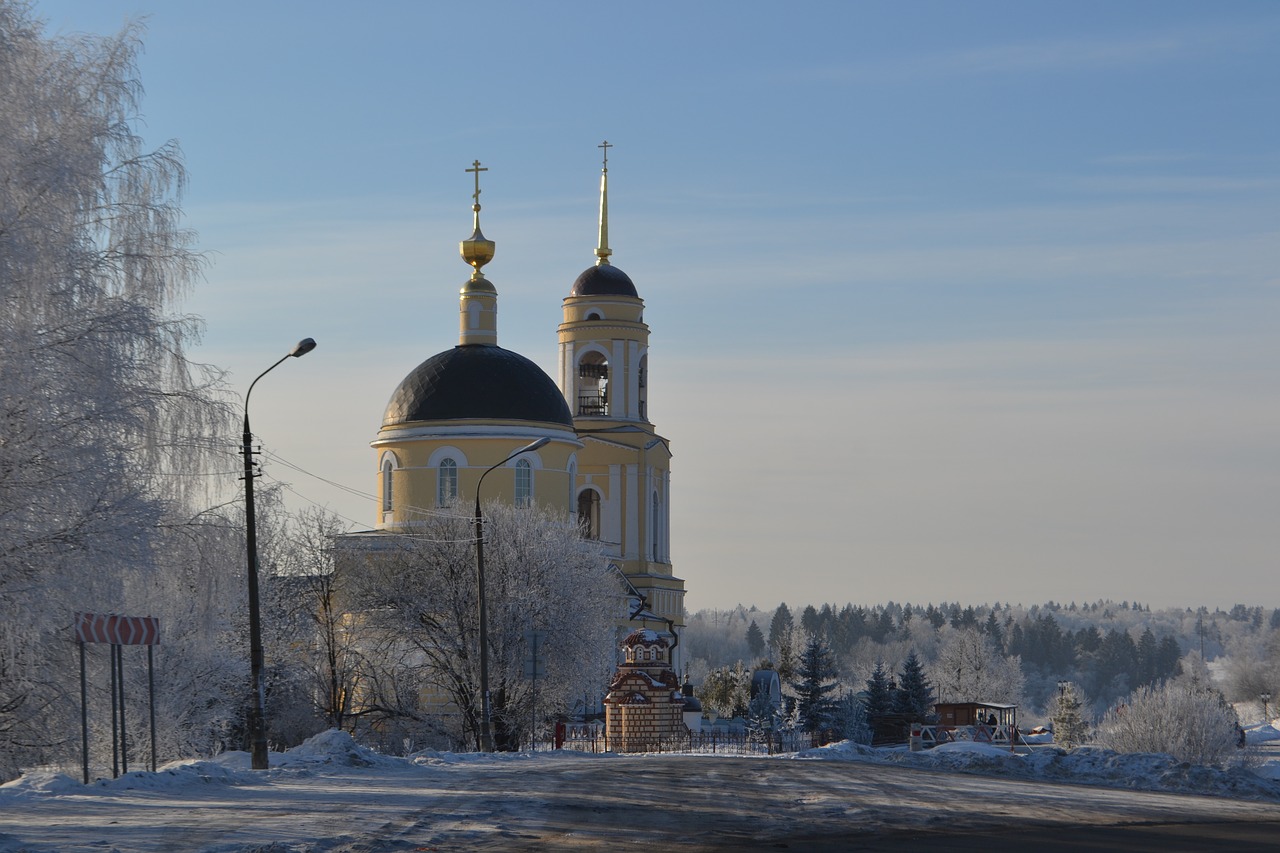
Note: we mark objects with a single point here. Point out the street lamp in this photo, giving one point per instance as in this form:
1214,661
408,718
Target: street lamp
257,716
1266,698
486,734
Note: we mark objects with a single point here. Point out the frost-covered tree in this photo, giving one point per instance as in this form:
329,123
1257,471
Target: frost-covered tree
105,426
1184,719
782,641
969,668
311,637
850,719
727,690
814,682
1070,729
413,599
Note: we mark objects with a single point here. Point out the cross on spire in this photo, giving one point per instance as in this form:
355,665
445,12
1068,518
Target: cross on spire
477,169
606,146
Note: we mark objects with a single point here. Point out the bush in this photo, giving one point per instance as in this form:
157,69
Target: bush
1191,723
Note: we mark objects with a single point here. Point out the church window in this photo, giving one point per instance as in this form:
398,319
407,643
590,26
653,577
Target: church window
593,385
447,485
643,397
524,483
388,465
589,513
655,528
594,315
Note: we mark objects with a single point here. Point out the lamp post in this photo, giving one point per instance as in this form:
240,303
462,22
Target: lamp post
486,733
1266,699
257,716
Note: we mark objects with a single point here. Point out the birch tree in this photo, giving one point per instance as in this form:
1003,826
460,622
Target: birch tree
102,416
969,668
415,605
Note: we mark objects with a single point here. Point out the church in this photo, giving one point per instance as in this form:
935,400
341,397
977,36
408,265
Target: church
455,418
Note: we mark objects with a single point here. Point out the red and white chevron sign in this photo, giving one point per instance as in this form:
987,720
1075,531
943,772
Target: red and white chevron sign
117,630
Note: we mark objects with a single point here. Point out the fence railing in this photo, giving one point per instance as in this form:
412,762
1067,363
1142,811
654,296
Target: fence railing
932,735
592,739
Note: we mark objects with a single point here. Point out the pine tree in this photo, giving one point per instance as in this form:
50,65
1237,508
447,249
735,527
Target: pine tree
755,640
914,699
851,719
879,699
815,680
781,631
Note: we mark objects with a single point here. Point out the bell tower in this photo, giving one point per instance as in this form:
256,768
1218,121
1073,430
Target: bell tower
623,476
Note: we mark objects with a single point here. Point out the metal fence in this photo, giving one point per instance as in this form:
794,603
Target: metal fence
592,739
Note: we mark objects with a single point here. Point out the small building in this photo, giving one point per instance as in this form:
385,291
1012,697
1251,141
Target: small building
990,722
645,706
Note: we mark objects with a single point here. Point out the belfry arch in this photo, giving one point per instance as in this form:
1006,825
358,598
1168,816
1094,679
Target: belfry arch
593,385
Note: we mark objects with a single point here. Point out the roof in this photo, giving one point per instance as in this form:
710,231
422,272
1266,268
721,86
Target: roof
481,382
604,280
646,637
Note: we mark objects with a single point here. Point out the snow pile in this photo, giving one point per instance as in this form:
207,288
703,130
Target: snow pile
332,748
1088,765
40,782
1261,733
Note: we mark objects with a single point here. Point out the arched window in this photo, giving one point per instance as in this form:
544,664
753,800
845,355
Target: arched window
388,465
593,385
594,315
643,398
589,513
655,527
524,483
447,484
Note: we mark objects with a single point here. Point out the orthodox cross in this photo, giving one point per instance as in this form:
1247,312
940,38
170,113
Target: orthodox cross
606,146
477,169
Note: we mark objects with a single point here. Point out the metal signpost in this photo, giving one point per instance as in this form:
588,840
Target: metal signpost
117,632
535,664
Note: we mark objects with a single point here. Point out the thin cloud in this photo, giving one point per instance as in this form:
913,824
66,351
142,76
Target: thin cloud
1064,55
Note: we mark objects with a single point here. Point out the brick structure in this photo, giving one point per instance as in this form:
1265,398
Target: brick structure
644,707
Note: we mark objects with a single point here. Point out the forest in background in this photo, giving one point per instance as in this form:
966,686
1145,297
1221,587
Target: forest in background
1005,652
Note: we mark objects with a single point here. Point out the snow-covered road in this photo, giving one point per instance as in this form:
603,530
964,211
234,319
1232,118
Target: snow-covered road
332,796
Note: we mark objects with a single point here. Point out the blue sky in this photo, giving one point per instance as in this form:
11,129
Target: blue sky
949,301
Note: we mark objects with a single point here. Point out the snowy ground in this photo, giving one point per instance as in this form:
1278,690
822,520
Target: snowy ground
330,795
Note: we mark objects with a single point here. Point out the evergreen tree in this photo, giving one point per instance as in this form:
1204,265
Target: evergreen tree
780,626
781,631
851,719
914,699
1069,726
879,697
809,620
755,640
815,680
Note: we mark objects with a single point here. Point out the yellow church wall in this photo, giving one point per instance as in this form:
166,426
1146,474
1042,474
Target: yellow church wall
415,477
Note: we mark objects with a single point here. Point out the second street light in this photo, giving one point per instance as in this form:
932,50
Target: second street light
486,732
257,718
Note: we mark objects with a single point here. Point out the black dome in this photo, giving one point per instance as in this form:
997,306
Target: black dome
477,381
604,280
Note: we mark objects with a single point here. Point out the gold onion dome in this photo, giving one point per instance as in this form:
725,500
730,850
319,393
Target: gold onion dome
476,250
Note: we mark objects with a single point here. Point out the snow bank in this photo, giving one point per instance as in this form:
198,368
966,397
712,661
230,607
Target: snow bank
39,782
1261,733
1088,765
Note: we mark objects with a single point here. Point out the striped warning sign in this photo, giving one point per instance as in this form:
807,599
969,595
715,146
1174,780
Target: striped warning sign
117,630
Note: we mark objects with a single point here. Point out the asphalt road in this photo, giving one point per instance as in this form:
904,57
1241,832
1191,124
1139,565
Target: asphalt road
700,803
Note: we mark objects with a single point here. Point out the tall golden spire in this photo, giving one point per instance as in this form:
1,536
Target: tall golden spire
476,250
602,250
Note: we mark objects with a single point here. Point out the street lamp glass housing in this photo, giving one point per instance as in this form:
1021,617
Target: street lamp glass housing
303,347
